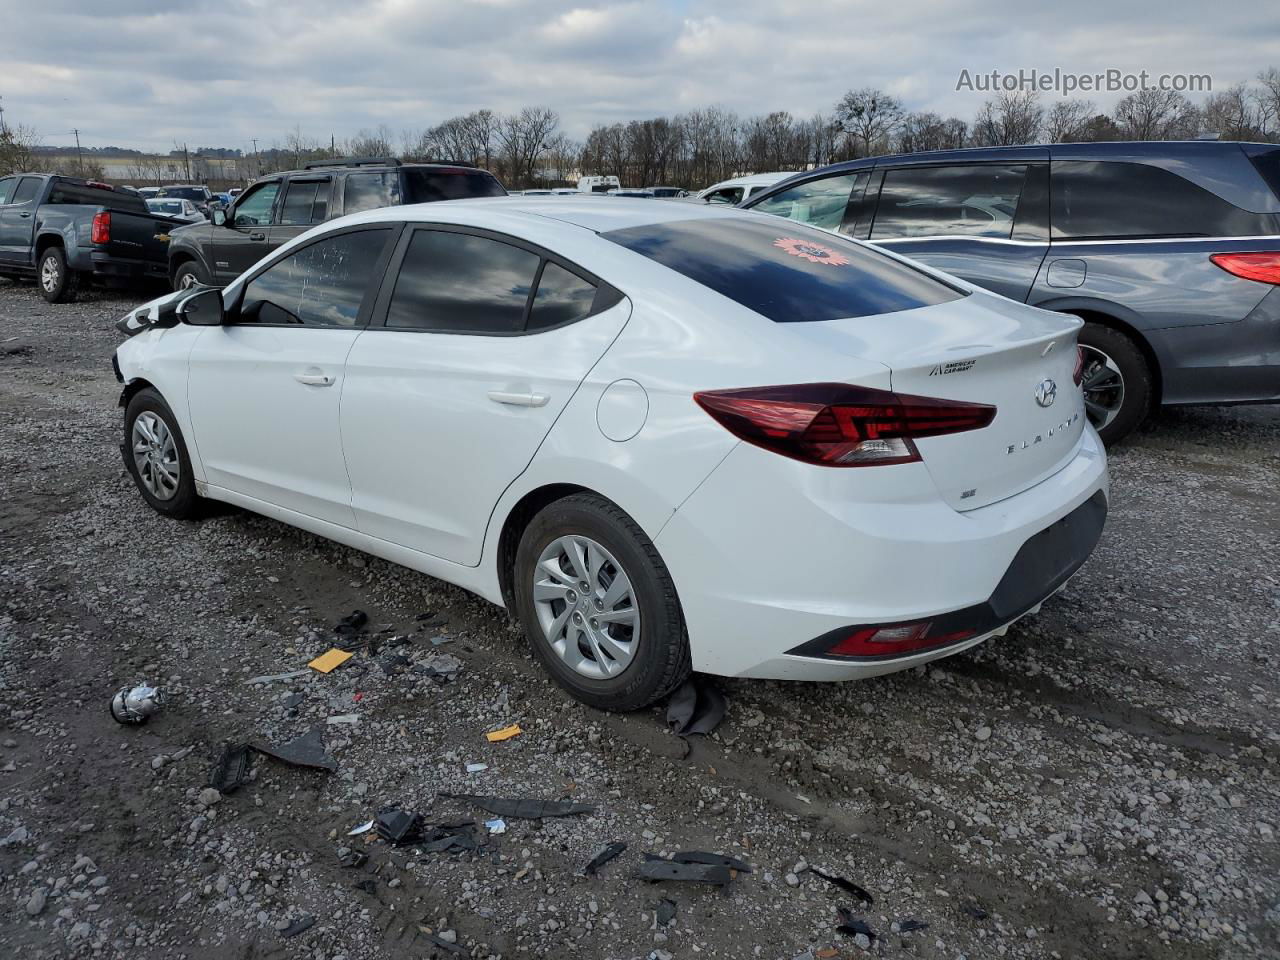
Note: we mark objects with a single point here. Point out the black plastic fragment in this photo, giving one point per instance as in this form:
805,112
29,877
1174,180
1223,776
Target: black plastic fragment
367,884
522,808
659,869
304,751
231,769
607,853
975,911
298,926
293,700
393,664
702,856
851,925
910,926
350,630
354,858
456,836
443,944
666,911
848,886
398,826
697,706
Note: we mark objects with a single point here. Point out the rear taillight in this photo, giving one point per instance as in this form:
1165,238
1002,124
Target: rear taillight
1077,375
1262,267
101,228
839,425
886,641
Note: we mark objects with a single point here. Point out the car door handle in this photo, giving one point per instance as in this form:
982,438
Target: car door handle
315,379
257,236
519,399
25,216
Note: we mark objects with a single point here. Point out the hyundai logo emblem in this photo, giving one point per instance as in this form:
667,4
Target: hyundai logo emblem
1046,393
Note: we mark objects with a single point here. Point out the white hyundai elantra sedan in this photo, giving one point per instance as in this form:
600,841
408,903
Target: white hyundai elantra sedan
667,437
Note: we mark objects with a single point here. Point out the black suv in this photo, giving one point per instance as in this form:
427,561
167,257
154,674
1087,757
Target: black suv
279,207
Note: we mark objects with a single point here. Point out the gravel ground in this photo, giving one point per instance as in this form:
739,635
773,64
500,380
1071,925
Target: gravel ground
1102,782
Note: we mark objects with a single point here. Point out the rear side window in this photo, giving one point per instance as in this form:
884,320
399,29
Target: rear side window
460,283
28,187
428,184
321,285
785,271
368,191
1266,163
819,203
976,200
1100,200
562,297
305,201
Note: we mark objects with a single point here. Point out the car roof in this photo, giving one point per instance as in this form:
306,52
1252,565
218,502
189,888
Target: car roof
753,179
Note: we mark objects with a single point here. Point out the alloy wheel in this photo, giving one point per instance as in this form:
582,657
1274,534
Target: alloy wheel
155,454
49,274
188,281
586,607
1103,385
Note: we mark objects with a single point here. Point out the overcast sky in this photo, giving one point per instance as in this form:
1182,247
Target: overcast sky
147,73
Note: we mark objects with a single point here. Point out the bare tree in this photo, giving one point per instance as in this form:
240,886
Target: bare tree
1232,114
928,131
1156,115
1266,99
1067,120
869,116
1011,118
17,148
521,140
370,143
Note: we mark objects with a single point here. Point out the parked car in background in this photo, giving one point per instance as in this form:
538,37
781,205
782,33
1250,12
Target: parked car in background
487,393
740,189
565,191
223,198
63,230
535,193
197,193
181,210
235,192
1170,252
667,193
597,184
631,192
278,208
147,193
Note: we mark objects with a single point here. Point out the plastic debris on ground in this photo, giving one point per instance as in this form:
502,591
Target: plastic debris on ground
521,808
363,828
665,912
608,852
442,667
354,859
696,707
702,856
350,629
441,641
394,663
134,705
910,926
975,911
496,826
451,836
848,886
271,678
298,926
441,942
506,733
330,660
231,769
343,718
398,826
304,751
476,767
655,868
851,925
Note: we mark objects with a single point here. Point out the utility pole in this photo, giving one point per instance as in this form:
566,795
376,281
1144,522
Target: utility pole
186,161
257,164
3,129
79,154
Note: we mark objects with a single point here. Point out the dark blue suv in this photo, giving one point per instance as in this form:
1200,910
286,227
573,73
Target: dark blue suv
1170,252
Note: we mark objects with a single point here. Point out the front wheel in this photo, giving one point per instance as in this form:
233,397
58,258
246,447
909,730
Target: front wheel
598,605
58,282
156,457
1117,382
188,275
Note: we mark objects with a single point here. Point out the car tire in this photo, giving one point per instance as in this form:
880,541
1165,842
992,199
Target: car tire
188,275
656,641
1118,382
58,282
155,454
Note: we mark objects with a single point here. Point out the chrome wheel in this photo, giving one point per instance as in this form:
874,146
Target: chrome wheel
49,274
586,608
1103,385
155,454
188,281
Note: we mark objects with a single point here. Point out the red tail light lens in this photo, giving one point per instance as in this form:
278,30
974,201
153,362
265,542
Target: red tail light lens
894,639
101,232
1077,375
1262,267
839,425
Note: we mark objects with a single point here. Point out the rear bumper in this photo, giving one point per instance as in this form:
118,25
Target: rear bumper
770,570
105,265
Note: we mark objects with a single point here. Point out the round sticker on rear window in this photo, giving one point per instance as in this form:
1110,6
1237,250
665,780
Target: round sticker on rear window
813,252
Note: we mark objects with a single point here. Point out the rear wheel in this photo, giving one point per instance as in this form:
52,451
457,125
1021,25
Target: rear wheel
1117,382
599,606
58,282
156,457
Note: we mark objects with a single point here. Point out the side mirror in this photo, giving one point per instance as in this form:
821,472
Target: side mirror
203,308
219,217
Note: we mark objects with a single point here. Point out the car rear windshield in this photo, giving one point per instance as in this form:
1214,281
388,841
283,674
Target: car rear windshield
785,271
449,183
1267,164
183,193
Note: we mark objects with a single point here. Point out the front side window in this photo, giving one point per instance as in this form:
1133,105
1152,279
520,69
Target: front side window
978,200
428,184
322,285
726,195
254,208
369,191
1092,199
28,187
6,188
460,283
562,297
819,203
305,201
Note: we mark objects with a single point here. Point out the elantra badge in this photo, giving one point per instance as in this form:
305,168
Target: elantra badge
1046,393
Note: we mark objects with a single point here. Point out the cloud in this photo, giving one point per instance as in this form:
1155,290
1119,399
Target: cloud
148,73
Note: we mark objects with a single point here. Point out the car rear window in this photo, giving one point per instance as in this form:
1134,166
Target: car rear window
449,183
1267,164
785,271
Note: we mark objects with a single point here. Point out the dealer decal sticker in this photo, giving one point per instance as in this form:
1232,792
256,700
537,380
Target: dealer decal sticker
813,252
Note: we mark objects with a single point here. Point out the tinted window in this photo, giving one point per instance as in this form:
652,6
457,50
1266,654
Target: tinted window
28,187
462,283
727,195
254,208
427,184
185,193
1096,199
819,203
305,201
321,285
1266,163
368,191
562,297
970,201
786,271
6,186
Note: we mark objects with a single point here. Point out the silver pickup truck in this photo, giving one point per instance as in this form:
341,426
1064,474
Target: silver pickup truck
63,231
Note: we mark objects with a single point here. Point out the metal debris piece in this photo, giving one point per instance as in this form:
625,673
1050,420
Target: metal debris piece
271,678
607,853
231,769
851,925
666,912
659,869
910,926
697,706
298,926
522,808
848,886
134,705
304,751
